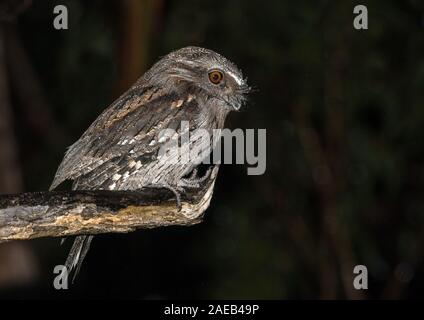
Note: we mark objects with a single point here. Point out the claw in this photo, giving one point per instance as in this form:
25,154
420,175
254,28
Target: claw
193,173
193,181
175,190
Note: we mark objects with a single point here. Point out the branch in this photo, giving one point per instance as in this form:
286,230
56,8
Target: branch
64,213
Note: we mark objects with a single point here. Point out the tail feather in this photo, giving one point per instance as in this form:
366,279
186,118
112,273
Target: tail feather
77,254
81,244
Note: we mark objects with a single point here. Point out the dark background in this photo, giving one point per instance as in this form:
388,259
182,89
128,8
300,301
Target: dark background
344,113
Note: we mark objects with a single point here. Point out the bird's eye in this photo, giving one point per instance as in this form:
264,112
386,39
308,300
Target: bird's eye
215,76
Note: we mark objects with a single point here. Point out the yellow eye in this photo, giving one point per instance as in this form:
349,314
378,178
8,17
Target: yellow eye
215,76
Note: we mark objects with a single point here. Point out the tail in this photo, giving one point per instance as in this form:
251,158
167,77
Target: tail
77,254
81,243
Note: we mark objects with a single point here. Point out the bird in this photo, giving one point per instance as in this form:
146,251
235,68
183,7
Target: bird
121,149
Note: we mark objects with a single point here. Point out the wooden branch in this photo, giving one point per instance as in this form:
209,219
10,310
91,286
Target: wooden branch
64,213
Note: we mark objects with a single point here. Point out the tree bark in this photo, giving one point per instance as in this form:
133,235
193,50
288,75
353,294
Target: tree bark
64,213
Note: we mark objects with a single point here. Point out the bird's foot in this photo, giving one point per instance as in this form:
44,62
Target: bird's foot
175,190
193,181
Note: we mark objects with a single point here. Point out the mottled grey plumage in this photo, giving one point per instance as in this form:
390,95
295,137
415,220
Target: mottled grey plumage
119,151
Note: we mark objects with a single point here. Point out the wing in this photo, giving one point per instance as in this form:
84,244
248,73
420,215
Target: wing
126,130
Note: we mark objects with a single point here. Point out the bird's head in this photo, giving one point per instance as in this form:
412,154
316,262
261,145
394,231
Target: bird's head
206,71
